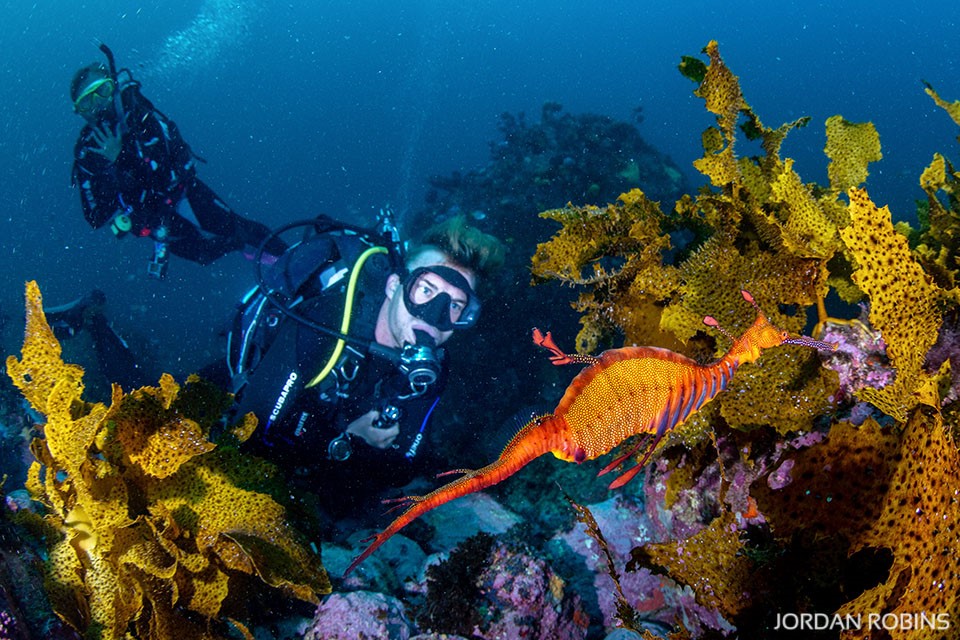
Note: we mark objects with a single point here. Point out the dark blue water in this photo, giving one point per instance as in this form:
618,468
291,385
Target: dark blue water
305,107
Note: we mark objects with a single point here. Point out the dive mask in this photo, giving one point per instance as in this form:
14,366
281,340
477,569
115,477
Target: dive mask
101,89
425,301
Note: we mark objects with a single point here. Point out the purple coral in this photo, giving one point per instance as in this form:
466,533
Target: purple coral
8,626
524,598
947,348
860,360
626,523
359,614
780,477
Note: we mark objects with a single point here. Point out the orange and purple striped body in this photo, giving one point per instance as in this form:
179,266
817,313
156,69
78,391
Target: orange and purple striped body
631,391
622,393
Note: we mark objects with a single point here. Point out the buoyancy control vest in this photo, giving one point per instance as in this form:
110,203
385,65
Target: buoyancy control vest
303,358
312,312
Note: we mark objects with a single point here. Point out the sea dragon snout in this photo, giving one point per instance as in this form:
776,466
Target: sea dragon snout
623,392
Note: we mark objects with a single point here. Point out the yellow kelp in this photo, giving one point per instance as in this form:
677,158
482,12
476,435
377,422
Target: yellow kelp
153,519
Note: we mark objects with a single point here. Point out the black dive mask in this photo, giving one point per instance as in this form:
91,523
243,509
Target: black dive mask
425,302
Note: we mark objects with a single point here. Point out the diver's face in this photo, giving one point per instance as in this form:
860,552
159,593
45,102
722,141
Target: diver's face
399,326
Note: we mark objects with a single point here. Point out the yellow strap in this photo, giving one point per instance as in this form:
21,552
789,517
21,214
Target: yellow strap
347,312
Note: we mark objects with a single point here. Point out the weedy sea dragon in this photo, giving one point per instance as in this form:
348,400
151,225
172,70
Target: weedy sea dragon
622,393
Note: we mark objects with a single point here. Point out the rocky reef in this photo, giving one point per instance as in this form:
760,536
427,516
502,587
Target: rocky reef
586,158
814,484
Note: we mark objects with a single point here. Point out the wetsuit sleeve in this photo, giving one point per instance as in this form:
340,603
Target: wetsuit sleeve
97,179
181,156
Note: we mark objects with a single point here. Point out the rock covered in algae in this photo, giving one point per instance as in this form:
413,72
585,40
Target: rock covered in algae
656,600
489,589
359,614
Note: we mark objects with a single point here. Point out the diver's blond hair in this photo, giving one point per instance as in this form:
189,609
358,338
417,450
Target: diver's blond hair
468,247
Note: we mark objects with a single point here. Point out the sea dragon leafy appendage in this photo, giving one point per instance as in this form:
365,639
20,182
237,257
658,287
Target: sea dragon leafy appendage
622,393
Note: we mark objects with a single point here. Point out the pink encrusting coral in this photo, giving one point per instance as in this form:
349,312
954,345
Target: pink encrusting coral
860,361
359,614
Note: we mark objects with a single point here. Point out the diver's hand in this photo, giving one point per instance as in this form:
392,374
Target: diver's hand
376,437
108,142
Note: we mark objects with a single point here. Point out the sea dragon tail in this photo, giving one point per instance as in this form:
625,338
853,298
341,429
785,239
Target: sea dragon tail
536,438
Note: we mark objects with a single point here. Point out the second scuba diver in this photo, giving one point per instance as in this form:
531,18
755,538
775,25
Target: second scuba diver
339,352
109,358
137,174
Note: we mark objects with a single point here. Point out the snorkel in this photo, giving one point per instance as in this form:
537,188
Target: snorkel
117,100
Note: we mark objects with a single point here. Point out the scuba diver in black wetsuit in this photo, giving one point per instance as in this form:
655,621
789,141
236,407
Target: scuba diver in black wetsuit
135,172
114,362
338,352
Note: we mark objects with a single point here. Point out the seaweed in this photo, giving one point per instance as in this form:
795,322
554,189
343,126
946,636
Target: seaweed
151,531
878,490
452,586
626,614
